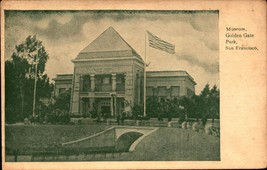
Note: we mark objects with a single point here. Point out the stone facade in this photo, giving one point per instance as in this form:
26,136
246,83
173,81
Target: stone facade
169,84
108,77
62,82
105,83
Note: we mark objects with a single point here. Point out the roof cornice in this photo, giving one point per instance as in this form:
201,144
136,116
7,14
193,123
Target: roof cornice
106,59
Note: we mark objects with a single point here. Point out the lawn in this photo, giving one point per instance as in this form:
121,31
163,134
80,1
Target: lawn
173,144
166,144
27,136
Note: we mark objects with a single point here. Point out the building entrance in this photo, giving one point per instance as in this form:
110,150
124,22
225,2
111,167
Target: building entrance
105,108
102,107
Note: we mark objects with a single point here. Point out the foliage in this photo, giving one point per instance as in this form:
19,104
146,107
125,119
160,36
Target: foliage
202,106
163,109
63,118
19,79
62,102
94,111
152,107
138,111
210,98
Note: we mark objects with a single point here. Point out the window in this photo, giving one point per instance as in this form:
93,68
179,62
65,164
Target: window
120,82
105,103
98,80
175,91
149,91
162,91
122,105
61,90
106,80
120,78
86,83
103,83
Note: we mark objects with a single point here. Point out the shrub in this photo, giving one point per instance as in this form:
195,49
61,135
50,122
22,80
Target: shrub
141,117
137,110
215,131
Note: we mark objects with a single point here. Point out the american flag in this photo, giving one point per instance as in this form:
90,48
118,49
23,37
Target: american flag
157,43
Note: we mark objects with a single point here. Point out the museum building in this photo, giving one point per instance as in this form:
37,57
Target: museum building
109,77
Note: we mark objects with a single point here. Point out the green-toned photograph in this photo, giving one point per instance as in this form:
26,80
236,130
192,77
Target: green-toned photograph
111,85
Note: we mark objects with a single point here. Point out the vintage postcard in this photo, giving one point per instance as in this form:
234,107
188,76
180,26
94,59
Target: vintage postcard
133,84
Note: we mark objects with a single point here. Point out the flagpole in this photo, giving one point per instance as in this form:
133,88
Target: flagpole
157,43
35,83
145,76
34,92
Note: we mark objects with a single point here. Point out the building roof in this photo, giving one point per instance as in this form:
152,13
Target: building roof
177,73
63,77
149,74
108,44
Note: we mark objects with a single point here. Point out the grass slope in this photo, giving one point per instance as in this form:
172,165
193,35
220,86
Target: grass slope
172,144
25,136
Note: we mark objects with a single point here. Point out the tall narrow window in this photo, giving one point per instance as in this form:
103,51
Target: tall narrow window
120,82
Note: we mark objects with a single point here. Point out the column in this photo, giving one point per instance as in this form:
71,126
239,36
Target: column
81,106
91,103
75,108
113,82
115,105
81,84
138,88
124,80
111,105
92,77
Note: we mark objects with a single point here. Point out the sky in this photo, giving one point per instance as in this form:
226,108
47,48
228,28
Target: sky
64,34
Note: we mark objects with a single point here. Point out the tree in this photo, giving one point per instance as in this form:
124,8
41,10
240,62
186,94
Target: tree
152,108
197,107
208,103
172,109
19,79
214,101
138,111
204,106
204,103
62,102
165,108
12,103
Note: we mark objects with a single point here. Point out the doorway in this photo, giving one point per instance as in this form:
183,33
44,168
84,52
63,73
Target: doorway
105,108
